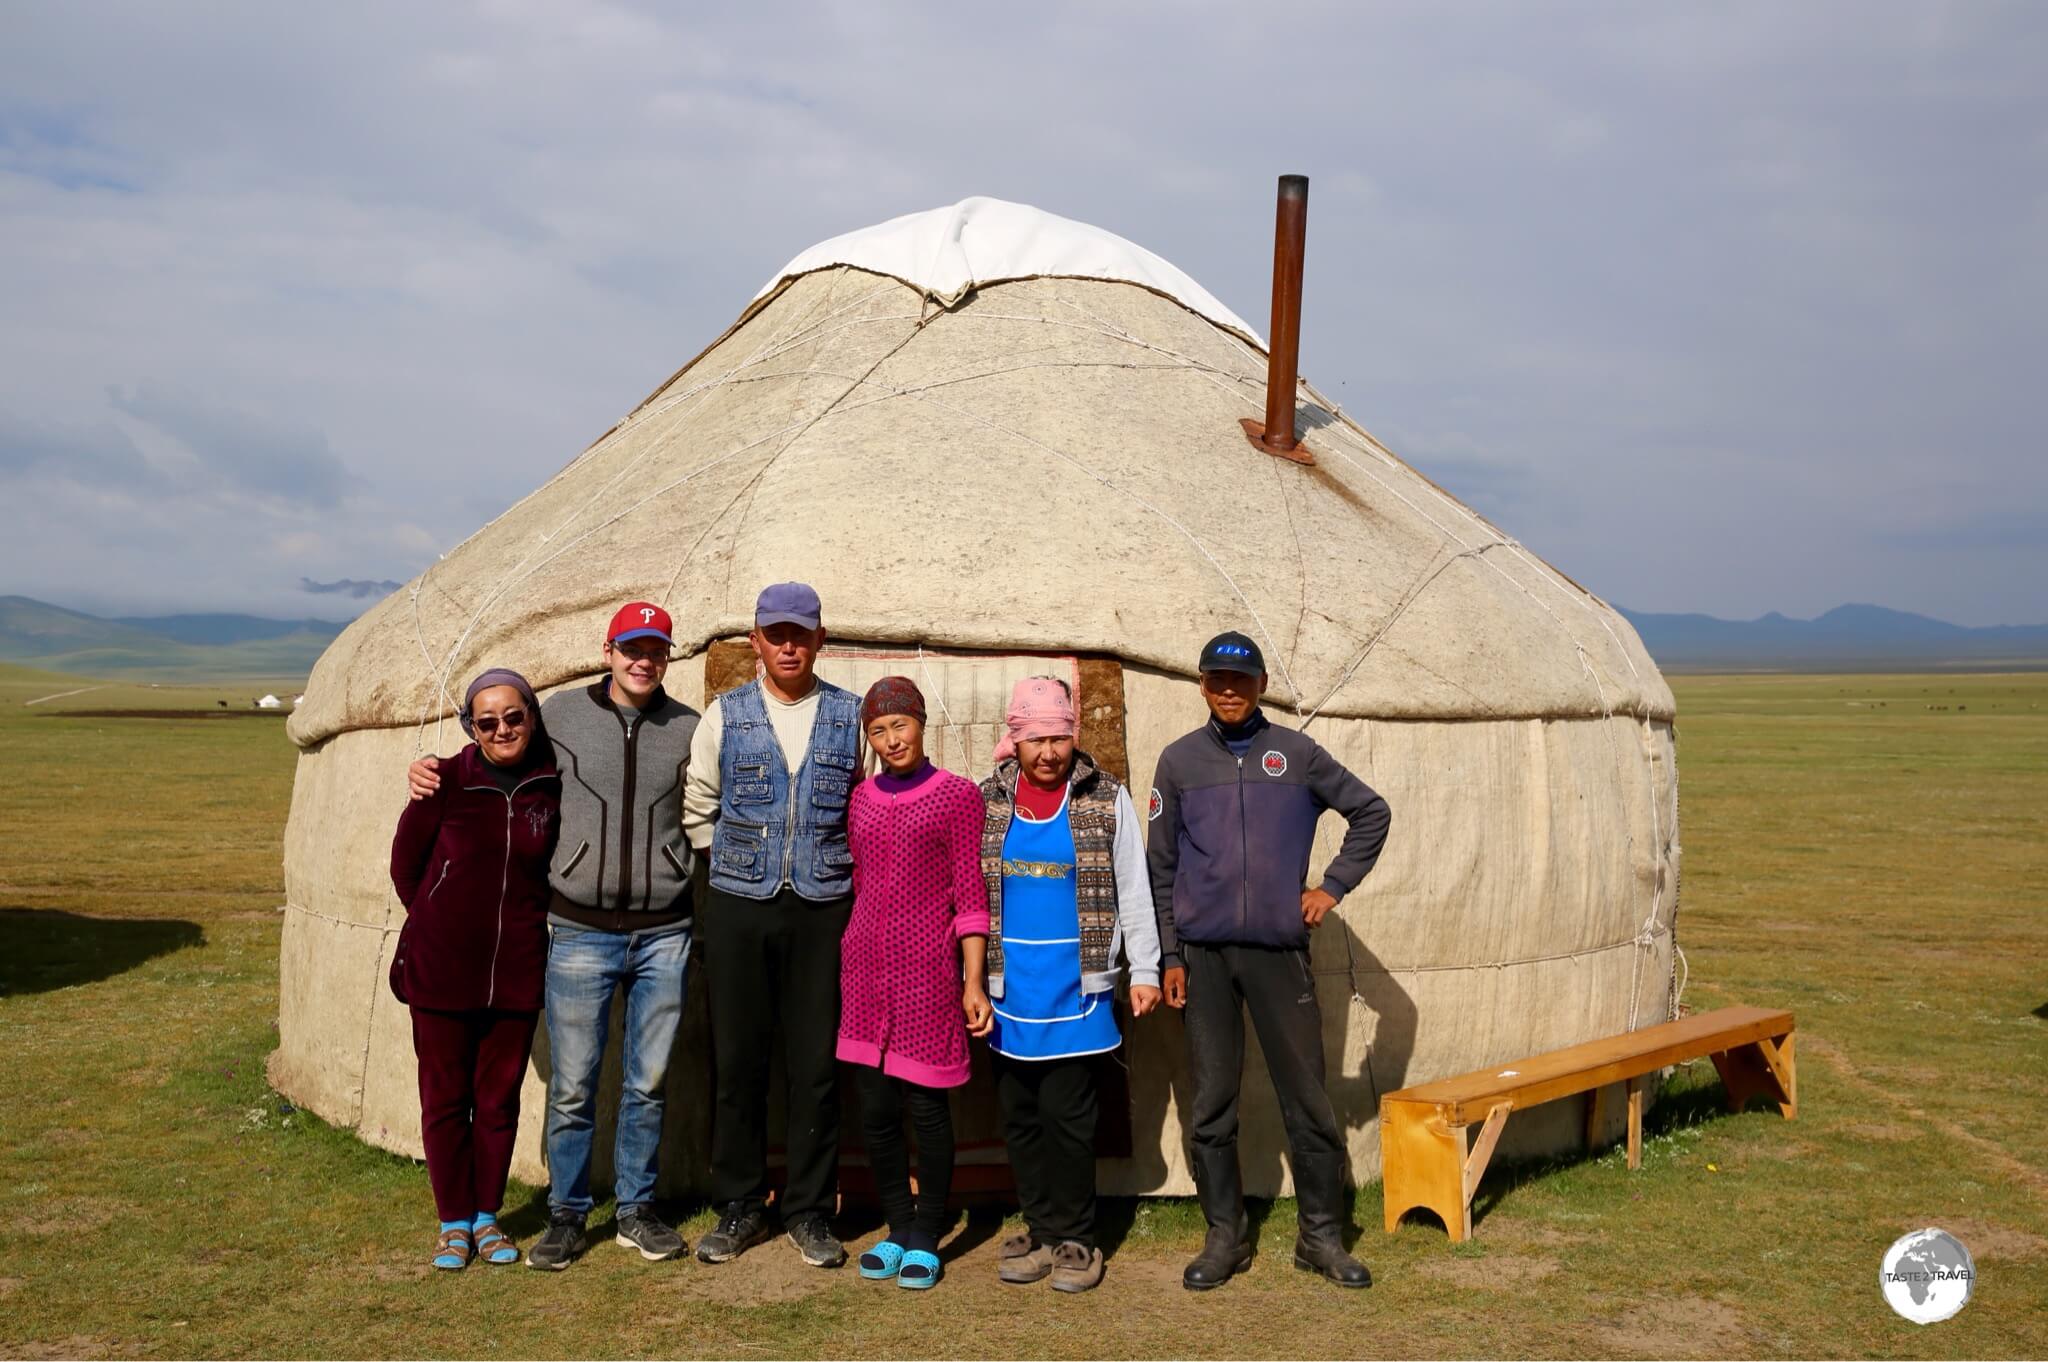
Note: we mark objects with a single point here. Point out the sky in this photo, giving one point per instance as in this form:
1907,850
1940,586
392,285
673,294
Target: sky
1728,308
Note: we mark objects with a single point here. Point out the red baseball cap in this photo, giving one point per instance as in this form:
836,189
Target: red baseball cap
640,619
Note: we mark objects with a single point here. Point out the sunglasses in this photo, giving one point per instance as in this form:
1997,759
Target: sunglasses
511,719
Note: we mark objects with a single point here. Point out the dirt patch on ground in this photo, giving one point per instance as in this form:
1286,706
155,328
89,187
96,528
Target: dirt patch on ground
1987,1240
398,1272
255,915
72,1216
8,1286
1683,1326
769,1275
1881,1132
1531,1234
80,1345
1494,1273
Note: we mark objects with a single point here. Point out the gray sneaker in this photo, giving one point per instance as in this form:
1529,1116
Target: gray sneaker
640,1228
739,1229
814,1240
559,1246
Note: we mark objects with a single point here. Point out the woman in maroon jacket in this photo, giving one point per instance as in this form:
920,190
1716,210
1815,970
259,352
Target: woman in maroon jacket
470,862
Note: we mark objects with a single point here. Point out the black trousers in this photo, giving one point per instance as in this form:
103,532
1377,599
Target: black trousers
771,971
882,1100
1276,987
1049,1111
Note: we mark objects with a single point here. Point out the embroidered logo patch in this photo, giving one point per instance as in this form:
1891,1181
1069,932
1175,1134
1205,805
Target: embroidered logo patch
1274,763
1152,809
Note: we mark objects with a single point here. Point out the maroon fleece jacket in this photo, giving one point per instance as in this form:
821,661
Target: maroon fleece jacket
470,863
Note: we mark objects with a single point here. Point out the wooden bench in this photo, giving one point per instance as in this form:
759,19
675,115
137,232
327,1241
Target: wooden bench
1429,1161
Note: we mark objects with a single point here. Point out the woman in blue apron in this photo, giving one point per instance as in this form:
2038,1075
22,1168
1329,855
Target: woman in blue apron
1064,857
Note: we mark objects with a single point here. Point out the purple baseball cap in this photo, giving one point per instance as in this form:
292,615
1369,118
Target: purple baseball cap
788,603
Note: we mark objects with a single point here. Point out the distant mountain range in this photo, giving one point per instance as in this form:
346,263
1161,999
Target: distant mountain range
206,647
1848,638
166,648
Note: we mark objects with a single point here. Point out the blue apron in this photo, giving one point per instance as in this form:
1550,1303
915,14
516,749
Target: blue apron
1043,1014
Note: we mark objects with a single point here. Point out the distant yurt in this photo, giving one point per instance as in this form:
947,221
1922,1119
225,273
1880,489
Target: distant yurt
1001,443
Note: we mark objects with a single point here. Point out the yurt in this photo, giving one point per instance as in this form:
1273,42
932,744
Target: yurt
1003,443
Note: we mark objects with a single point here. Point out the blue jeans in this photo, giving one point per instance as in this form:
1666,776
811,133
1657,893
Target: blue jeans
584,969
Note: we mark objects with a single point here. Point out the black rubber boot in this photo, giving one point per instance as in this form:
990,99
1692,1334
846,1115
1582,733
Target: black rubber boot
1319,1243
1227,1250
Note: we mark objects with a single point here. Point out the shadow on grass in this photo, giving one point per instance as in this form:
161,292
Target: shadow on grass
1677,1108
2042,1011
45,949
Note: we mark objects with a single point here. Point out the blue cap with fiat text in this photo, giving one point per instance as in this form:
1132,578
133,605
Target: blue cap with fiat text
1233,652
788,603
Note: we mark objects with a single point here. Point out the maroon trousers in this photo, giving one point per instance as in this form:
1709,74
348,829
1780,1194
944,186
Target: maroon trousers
471,1065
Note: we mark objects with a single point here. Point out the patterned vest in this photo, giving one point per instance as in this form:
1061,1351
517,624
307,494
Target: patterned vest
1091,811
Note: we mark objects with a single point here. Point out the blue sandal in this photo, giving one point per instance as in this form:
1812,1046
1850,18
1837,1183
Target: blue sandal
493,1245
453,1249
881,1262
919,1270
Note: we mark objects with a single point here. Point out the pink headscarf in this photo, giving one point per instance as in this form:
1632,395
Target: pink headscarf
1039,708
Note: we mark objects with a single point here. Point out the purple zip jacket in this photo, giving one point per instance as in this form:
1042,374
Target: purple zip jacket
470,863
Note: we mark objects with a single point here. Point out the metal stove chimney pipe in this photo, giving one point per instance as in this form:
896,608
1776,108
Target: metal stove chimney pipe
1290,237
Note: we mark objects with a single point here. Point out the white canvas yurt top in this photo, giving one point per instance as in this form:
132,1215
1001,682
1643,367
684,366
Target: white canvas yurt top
999,442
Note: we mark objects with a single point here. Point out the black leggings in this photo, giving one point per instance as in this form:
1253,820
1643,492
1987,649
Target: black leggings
882,1100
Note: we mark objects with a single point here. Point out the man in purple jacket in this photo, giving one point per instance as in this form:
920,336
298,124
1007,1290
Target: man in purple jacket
1233,815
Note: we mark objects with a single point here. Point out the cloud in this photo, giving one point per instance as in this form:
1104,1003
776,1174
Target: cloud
356,590
238,450
1710,307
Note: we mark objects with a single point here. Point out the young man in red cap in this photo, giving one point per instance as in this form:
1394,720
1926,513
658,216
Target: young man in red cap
621,919
1234,812
772,773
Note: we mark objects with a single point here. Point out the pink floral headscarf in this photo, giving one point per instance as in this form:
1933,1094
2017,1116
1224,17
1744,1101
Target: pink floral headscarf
1039,708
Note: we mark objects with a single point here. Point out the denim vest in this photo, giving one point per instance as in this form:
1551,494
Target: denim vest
774,828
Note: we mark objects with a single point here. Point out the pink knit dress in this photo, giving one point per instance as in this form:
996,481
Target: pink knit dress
917,889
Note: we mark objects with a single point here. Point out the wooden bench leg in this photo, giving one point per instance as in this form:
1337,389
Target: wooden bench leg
1778,1055
1635,1123
1596,1111
1760,1069
1422,1165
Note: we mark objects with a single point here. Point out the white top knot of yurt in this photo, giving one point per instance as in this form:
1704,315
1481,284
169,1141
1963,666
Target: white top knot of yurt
948,252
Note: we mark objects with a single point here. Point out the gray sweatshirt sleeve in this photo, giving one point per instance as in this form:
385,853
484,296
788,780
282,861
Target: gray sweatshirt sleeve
1362,808
1134,895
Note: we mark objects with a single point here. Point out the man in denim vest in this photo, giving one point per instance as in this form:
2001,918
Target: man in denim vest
772,767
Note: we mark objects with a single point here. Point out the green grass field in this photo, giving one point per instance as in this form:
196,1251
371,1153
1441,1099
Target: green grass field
1869,851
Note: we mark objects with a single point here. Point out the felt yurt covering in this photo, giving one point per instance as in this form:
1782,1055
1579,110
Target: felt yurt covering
1001,443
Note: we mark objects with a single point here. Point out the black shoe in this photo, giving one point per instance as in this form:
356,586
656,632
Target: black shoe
1319,1196
640,1228
1227,1250
739,1229
814,1240
1330,1261
1224,1254
559,1246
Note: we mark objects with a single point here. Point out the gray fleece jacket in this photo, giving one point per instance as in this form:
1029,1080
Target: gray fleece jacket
622,860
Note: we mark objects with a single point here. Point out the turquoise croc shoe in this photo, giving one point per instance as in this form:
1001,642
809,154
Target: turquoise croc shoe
919,1271
881,1262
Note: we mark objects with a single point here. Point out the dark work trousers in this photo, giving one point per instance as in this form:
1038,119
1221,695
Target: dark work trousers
1275,985
771,968
1049,1113
471,1065
882,1100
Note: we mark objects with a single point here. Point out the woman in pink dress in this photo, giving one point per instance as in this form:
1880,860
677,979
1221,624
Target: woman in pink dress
912,985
